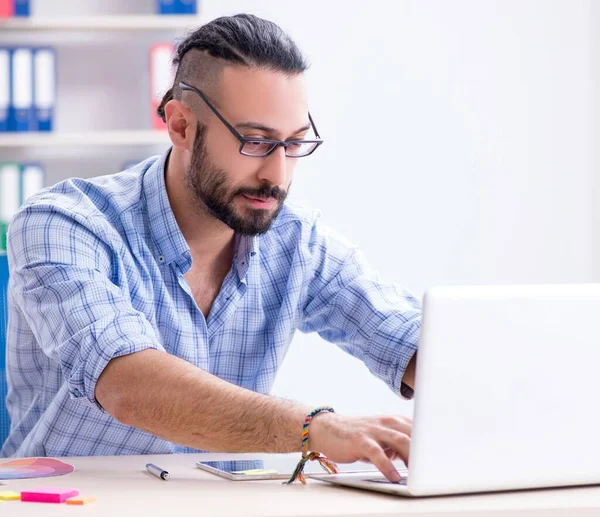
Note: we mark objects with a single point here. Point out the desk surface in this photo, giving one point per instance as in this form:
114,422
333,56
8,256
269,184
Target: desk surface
124,488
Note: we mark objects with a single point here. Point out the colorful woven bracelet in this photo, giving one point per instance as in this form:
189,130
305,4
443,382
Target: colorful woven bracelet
327,464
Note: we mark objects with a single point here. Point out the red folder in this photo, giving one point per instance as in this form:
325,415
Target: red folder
161,78
7,8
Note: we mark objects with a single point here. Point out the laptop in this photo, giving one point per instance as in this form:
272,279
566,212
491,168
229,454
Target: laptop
507,392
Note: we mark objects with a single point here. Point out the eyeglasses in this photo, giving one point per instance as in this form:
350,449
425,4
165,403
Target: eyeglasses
261,147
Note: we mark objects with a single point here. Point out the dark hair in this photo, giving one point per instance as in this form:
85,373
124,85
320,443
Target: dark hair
243,39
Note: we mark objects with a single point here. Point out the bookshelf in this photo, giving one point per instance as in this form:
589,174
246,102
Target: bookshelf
103,107
109,42
100,23
90,138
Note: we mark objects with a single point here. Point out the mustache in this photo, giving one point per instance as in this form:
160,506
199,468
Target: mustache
263,192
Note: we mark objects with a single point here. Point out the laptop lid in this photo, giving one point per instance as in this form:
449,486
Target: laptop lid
507,389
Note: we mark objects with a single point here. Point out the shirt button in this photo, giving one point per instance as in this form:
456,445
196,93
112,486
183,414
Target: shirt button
161,259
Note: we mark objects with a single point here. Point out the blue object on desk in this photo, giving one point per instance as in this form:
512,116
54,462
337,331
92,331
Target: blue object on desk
4,418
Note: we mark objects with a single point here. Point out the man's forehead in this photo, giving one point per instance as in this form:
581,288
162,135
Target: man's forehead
243,78
265,96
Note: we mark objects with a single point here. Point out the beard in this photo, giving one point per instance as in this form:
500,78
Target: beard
213,193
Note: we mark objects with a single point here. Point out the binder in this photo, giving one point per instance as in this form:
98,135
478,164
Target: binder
186,6
10,196
7,8
164,6
44,91
3,235
4,88
22,7
21,113
161,78
32,180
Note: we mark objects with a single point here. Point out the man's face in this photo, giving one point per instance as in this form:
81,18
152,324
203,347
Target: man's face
247,193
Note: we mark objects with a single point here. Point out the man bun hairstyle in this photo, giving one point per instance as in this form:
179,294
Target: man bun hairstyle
243,40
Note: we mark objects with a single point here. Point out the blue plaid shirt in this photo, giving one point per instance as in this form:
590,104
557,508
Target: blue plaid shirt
97,271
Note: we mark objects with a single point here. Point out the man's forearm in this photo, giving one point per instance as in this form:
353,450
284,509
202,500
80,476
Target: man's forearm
172,399
409,374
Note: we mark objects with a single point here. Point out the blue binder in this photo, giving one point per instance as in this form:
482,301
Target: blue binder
166,7
21,112
44,90
4,88
22,8
186,6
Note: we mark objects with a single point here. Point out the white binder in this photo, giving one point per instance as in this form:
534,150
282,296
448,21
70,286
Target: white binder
10,190
44,91
22,113
32,180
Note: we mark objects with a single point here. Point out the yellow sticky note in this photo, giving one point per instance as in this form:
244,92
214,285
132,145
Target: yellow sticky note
7,495
81,500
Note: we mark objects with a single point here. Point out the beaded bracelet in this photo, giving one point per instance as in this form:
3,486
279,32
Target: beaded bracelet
327,464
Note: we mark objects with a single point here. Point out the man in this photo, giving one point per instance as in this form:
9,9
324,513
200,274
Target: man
151,309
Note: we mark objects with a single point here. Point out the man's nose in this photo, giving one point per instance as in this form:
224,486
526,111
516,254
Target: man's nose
274,169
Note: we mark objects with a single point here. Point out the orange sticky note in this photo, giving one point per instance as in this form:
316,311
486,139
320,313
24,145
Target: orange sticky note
7,495
81,500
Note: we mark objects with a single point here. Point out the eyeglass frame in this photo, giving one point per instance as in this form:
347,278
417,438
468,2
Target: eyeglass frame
244,140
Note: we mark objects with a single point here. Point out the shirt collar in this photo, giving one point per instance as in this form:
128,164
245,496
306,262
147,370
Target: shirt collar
168,240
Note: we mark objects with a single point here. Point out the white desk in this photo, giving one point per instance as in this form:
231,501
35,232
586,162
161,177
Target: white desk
124,488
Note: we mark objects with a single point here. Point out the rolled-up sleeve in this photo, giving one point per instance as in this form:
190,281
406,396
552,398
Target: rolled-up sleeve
347,304
62,282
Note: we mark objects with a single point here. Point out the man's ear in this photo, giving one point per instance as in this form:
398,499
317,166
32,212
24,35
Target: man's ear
179,124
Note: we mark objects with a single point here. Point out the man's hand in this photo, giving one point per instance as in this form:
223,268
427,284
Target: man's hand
174,400
378,440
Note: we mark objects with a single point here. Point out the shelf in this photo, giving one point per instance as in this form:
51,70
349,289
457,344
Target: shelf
101,23
93,138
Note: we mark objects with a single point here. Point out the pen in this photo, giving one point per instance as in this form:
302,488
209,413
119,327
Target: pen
157,471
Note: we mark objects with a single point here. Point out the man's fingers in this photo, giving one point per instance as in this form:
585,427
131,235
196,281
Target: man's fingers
397,441
397,423
373,452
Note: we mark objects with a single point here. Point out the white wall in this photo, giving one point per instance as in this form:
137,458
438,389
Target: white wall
476,166
458,143
595,129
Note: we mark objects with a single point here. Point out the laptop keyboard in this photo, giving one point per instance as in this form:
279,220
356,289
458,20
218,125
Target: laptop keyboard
403,481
